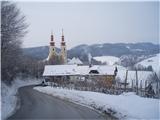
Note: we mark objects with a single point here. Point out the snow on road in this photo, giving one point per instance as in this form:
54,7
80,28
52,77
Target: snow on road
9,97
126,105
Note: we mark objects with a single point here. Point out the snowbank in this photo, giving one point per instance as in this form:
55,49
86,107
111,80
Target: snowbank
9,98
128,105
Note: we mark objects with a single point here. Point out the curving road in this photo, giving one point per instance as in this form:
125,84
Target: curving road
37,105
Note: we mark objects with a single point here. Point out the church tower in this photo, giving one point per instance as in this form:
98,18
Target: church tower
63,50
52,49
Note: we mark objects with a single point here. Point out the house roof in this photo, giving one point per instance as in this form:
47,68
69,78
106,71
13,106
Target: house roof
60,70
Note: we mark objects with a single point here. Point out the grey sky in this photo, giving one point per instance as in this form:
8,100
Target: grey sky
90,22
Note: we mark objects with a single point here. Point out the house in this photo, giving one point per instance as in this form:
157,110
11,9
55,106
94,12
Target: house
71,73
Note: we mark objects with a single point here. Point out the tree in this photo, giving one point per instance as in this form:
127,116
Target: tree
13,29
149,68
129,61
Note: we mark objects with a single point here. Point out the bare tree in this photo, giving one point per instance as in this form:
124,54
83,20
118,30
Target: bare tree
13,29
129,60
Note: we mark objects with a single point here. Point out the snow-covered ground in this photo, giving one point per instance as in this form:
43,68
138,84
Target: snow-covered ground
9,97
125,106
109,60
143,76
152,61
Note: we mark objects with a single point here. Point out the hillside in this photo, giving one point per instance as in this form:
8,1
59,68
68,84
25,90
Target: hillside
38,52
152,61
107,49
109,60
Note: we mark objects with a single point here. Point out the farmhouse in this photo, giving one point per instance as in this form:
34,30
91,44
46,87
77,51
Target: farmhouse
63,73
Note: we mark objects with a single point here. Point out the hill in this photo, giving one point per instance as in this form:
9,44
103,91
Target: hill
38,52
153,61
109,60
107,49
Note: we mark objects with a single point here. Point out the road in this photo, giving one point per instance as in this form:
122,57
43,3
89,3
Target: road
37,105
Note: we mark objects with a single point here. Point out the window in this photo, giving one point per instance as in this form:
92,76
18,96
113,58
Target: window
94,72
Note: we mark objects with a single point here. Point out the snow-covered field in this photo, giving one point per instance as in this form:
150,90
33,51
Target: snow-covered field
109,60
152,61
9,97
125,106
143,76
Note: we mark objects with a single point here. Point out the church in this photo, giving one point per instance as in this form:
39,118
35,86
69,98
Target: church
54,57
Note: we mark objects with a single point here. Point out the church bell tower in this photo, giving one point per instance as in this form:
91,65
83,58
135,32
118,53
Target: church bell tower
63,50
52,48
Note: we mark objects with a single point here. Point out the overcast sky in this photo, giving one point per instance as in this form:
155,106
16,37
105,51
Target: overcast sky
90,22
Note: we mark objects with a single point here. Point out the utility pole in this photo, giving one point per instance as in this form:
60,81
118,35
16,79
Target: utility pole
132,85
145,88
125,84
136,82
141,87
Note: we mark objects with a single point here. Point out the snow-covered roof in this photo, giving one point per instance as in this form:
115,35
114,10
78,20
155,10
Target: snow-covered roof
104,69
83,70
75,61
59,70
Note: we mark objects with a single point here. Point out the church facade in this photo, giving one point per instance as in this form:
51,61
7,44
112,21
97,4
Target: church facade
54,57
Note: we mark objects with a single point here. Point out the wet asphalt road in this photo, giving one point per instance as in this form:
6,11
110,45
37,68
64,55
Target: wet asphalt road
37,105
